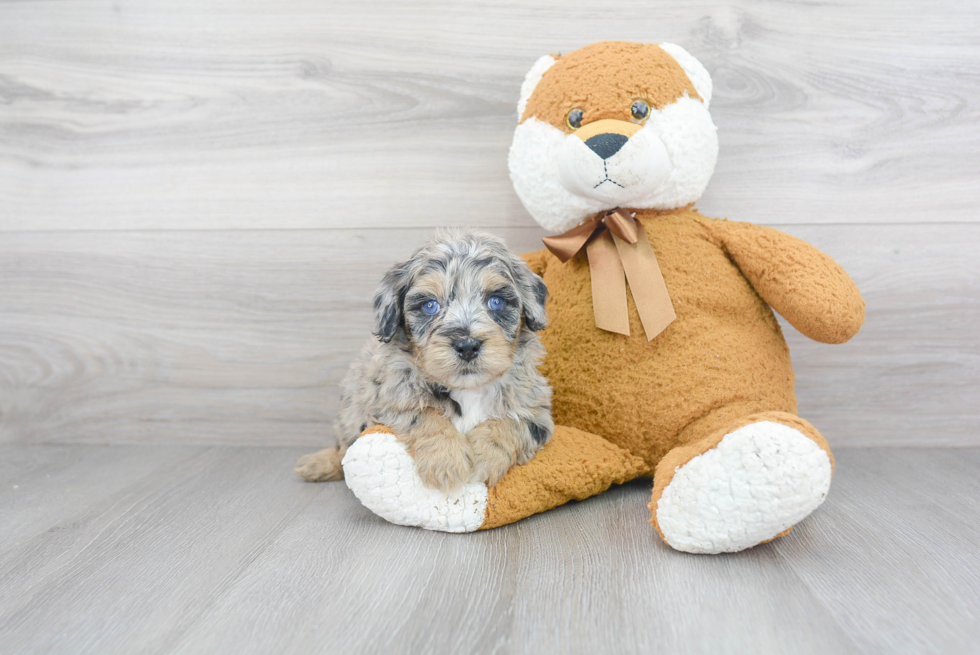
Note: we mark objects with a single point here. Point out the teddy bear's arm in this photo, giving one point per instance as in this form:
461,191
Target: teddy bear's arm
806,286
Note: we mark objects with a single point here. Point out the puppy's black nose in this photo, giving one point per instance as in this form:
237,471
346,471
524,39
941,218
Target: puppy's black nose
468,349
606,145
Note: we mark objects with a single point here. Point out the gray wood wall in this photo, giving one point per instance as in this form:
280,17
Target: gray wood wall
198,198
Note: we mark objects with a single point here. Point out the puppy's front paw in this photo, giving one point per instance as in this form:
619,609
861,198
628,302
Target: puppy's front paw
497,447
527,454
492,462
491,469
321,466
445,464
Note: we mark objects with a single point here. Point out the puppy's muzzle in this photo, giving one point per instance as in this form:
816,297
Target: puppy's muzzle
467,348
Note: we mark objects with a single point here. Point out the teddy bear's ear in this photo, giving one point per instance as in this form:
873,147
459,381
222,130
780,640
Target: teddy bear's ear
531,81
696,72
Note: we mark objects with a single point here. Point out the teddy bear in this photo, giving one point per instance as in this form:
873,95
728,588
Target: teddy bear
663,351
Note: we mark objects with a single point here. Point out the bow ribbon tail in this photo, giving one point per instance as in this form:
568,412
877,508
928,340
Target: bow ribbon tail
646,284
608,285
565,246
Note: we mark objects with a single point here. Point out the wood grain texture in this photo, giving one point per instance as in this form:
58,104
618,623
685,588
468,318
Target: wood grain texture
41,486
920,591
302,114
155,554
225,551
243,337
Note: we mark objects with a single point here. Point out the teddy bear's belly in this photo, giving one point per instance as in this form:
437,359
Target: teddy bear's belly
723,357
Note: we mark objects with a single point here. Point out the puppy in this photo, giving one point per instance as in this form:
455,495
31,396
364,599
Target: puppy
453,367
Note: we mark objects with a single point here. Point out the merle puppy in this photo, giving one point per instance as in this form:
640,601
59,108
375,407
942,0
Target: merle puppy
453,368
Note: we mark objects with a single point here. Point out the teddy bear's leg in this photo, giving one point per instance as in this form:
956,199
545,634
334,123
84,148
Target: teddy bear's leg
572,466
742,485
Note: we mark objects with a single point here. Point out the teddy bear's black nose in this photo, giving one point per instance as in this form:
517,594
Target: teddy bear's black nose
606,145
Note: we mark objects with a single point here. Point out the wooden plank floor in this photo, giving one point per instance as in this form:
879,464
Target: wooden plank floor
193,549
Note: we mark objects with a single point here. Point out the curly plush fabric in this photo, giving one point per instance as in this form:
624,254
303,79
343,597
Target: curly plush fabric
650,73
381,473
724,357
741,485
807,287
572,466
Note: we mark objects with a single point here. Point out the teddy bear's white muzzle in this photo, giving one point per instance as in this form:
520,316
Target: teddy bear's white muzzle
616,175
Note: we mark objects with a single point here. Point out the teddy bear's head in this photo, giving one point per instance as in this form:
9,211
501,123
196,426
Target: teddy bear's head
613,124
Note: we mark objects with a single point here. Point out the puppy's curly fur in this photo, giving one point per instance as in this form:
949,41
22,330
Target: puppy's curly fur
453,370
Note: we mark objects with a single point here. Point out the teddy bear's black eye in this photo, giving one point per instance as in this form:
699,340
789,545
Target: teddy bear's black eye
640,110
575,118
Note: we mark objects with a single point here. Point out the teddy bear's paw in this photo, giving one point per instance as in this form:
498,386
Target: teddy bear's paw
381,473
760,480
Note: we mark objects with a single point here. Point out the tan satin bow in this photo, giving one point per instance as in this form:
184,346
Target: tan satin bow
619,251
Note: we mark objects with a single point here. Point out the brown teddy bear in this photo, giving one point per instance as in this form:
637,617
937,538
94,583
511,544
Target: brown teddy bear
663,351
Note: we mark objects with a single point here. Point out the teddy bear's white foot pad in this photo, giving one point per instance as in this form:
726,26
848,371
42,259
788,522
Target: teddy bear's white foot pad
758,481
382,475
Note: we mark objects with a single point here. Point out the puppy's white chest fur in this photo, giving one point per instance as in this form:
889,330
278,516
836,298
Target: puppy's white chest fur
476,406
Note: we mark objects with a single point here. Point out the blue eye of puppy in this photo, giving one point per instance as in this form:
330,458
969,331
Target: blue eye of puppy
430,308
495,303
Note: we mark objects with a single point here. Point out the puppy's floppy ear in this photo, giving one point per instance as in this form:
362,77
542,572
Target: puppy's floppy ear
389,301
533,293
